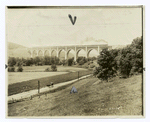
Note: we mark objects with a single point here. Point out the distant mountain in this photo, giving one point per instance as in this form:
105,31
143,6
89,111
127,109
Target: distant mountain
14,46
16,50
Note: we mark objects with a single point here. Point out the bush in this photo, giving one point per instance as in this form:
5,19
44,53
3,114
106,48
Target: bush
70,61
125,65
83,59
12,61
48,69
92,65
54,67
11,69
20,69
29,62
19,63
85,66
107,65
47,60
81,62
55,60
40,64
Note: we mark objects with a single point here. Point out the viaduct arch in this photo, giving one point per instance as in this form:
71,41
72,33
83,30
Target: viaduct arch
43,51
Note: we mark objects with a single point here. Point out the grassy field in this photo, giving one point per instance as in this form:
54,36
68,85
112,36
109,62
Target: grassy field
120,97
59,68
35,72
15,77
33,84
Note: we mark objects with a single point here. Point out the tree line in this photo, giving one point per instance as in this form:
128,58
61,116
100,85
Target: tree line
123,62
46,60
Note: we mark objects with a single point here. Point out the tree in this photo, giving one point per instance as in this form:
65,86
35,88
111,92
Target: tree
70,61
137,51
54,60
125,65
11,69
29,62
81,59
47,60
36,60
107,65
131,58
19,62
12,61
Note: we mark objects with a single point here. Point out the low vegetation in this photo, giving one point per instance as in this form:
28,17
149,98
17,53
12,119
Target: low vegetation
33,84
11,69
20,69
123,62
53,67
47,60
94,98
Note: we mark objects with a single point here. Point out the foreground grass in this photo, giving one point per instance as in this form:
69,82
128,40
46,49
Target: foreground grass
33,84
120,97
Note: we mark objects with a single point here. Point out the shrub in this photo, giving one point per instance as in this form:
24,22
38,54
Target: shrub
83,59
19,63
48,69
81,62
12,61
54,67
47,60
70,61
11,69
107,65
29,62
125,65
40,64
92,65
85,66
20,69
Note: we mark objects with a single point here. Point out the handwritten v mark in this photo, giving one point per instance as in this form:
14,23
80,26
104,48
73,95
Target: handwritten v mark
73,22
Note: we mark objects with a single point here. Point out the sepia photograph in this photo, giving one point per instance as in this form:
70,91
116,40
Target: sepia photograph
74,61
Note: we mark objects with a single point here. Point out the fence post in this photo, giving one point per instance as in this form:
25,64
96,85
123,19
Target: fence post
38,86
78,75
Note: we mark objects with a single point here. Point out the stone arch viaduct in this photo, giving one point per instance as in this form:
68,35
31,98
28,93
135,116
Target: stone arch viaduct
48,50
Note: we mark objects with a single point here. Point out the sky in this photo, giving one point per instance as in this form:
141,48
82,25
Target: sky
47,27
